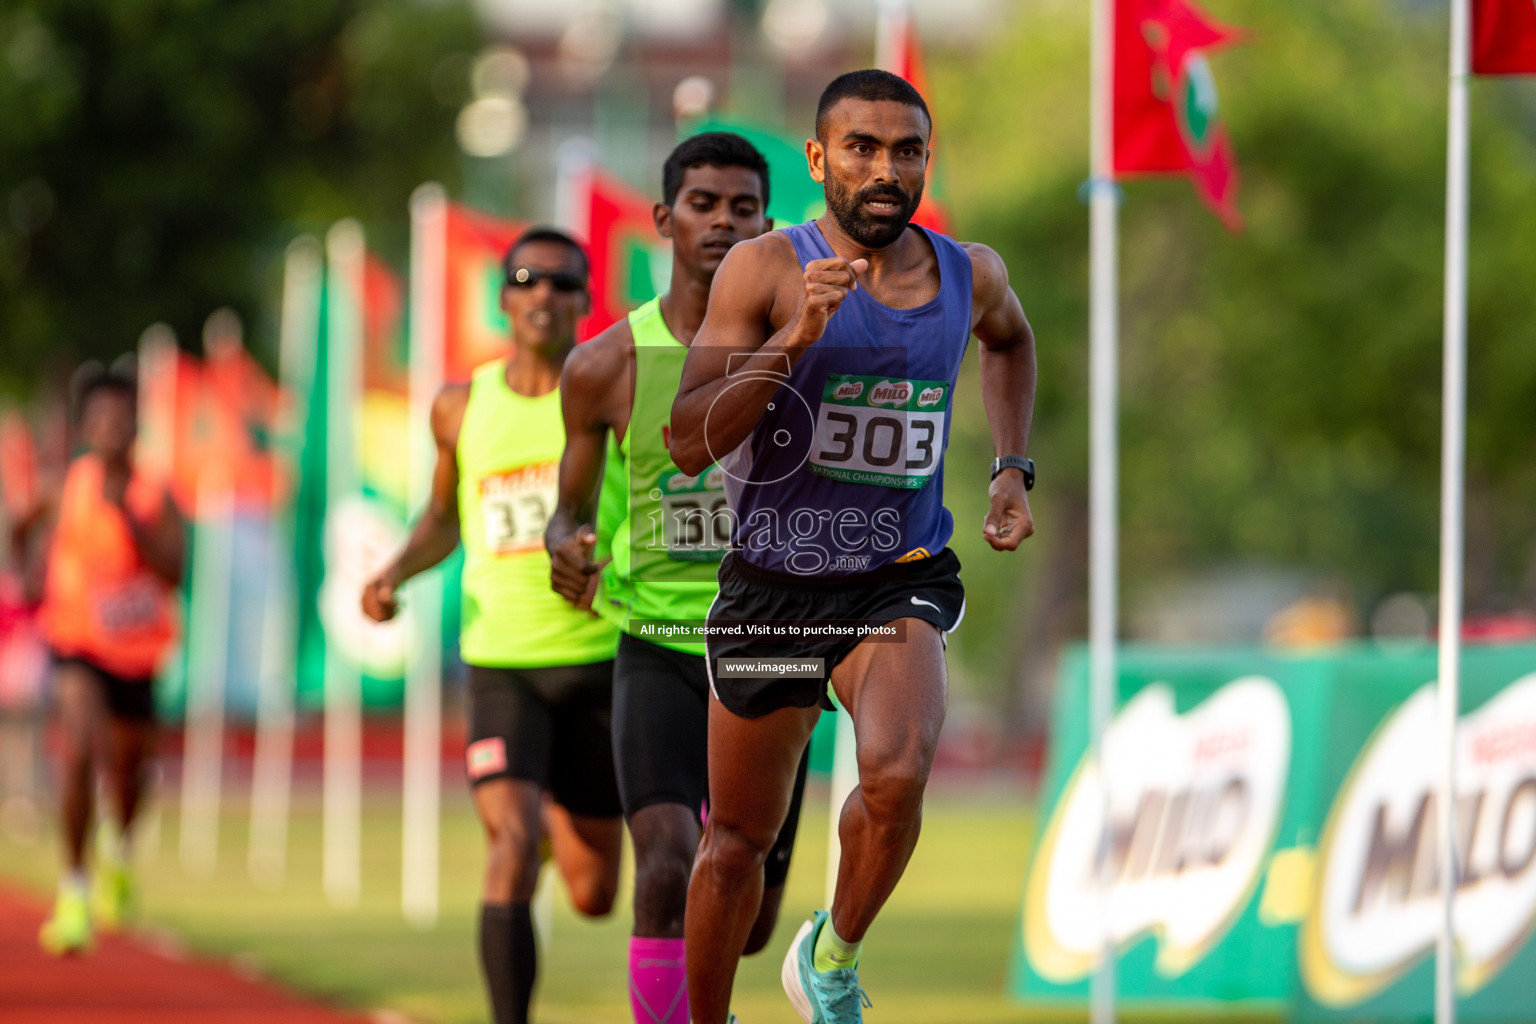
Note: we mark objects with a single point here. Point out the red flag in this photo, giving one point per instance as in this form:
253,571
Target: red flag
476,330
386,361
1166,118
1503,37
630,262
896,51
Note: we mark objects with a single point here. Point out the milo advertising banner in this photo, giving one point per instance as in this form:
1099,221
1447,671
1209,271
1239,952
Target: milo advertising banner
1267,828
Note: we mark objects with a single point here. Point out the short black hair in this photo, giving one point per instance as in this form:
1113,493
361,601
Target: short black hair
544,233
93,378
870,84
711,149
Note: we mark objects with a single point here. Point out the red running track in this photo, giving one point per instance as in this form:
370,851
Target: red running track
127,981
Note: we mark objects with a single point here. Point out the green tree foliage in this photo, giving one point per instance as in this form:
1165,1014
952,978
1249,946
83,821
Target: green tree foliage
156,155
1280,387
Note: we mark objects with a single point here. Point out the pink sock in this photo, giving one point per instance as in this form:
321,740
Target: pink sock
658,983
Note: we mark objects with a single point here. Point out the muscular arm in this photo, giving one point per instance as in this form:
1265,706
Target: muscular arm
737,347
593,386
1007,359
436,532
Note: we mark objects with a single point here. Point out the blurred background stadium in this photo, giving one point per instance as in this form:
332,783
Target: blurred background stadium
1280,404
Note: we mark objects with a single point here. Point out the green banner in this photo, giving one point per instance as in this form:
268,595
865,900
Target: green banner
1271,838
794,197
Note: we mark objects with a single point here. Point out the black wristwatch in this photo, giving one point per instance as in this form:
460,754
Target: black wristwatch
1003,462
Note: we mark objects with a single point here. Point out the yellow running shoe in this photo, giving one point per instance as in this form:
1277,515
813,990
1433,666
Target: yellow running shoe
69,929
114,896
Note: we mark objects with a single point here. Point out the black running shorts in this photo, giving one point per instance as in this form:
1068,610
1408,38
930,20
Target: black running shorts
928,589
660,738
126,699
548,726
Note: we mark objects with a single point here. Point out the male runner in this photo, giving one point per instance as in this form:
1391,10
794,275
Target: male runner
113,565
540,671
665,533
824,372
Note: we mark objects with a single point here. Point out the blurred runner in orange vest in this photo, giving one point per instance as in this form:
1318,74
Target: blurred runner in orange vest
108,615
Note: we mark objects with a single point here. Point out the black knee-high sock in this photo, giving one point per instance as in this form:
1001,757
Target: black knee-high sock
509,959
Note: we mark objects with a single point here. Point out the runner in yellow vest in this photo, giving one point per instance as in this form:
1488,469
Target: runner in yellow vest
540,670
659,538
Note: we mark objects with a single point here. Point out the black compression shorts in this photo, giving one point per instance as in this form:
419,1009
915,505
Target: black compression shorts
928,589
660,738
660,725
548,726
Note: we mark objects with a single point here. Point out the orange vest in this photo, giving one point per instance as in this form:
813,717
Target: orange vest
102,602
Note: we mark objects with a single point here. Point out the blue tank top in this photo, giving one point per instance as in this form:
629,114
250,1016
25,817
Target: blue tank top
845,471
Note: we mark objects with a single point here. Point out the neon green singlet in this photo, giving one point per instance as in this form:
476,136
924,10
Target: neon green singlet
509,463
666,531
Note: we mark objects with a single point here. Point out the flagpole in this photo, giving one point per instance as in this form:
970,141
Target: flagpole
1452,498
574,166
1103,470
342,767
272,765
421,794
207,671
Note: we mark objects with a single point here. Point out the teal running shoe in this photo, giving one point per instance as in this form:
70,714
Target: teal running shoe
820,997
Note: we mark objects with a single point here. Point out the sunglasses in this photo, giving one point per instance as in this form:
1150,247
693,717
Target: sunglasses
560,280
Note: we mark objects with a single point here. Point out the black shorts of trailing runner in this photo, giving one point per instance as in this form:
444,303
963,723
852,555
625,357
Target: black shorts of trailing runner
661,739
660,726
549,726
928,589
126,699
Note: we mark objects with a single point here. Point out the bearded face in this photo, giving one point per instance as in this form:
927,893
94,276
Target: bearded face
873,216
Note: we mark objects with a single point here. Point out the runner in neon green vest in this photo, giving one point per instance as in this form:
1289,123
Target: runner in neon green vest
657,543
540,670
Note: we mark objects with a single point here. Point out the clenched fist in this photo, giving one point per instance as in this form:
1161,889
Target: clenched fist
379,601
827,283
573,575
1009,520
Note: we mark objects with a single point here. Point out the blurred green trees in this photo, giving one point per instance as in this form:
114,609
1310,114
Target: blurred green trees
1281,387
156,155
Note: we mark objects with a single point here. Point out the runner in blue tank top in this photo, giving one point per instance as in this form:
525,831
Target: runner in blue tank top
822,380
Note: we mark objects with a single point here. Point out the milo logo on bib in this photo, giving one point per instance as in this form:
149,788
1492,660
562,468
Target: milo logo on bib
888,432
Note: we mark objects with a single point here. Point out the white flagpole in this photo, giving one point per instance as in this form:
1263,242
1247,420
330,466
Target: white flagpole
156,455
272,767
893,28
575,161
207,661
424,675
1452,498
1103,468
342,789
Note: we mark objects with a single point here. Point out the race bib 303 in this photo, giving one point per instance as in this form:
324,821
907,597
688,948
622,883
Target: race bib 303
880,430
